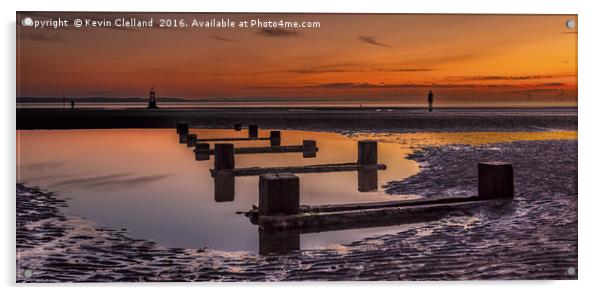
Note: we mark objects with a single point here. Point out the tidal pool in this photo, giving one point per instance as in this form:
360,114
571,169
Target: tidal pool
144,181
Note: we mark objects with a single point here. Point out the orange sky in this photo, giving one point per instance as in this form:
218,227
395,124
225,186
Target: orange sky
462,58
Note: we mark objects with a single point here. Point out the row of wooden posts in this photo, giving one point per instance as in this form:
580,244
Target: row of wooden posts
224,155
224,152
253,134
279,188
279,208
279,192
224,169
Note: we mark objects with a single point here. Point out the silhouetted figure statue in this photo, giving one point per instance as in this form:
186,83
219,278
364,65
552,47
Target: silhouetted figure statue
152,102
72,104
430,101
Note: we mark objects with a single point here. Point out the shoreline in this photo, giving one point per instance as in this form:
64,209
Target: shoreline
328,119
534,237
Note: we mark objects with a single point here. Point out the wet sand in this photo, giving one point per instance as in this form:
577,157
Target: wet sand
317,119
532,237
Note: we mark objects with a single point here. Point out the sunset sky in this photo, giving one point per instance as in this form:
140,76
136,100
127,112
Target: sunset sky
374,58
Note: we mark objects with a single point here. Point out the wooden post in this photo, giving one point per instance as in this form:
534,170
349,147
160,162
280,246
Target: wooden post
367,152
496,180
201,151
224,156
278,194
253,131
182,128
237,127
309,144
191,140
274,137
183,137
309,148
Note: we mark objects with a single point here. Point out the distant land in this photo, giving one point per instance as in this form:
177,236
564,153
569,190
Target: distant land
93,99
99,99
255,99
178,99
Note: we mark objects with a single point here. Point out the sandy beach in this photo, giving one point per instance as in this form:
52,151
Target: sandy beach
534,236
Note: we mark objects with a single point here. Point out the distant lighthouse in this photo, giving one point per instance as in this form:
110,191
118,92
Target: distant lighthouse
152,102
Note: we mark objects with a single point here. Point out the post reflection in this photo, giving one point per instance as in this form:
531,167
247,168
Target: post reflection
309,153
224,188
278,242
367,180
201,151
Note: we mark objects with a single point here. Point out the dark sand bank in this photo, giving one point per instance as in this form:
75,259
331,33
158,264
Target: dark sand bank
532,237
331,119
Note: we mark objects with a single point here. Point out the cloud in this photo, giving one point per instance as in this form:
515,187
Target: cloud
224,39
398,85
536,90
277,32
441,59
343,64
347,68
491,78
550,84
372,40
404,70
318,71
353,85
